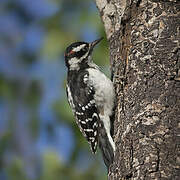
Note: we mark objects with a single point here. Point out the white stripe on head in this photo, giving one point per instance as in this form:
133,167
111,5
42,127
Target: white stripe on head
76,49
74,62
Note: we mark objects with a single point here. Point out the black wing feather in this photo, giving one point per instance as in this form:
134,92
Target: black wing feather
84,107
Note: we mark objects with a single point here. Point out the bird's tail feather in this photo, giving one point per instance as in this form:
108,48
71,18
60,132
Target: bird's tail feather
106,147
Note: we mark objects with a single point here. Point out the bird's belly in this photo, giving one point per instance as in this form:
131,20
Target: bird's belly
104,91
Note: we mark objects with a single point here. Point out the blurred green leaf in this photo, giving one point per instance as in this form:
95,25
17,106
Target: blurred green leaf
51,167
4,141
16,170
63,111
33,94
8,89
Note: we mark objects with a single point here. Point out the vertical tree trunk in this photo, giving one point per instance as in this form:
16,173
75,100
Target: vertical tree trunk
144,39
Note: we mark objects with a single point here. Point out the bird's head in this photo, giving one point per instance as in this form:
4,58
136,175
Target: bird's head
79,54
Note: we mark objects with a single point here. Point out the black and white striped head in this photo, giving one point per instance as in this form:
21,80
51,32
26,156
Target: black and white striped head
78,54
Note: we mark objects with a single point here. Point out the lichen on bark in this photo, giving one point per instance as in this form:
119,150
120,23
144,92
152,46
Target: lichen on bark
144,39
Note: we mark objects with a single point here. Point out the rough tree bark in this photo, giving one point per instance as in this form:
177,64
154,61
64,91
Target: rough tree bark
144,39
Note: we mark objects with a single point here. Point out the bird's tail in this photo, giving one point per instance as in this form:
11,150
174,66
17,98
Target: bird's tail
105,144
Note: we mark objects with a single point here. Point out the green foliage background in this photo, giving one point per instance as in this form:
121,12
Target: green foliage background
33,37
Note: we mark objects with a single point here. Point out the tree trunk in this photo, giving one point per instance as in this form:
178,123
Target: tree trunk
144,39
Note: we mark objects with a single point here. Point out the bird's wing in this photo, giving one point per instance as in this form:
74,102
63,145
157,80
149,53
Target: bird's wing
84,108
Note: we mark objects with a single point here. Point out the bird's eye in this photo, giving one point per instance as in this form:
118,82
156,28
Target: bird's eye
85,48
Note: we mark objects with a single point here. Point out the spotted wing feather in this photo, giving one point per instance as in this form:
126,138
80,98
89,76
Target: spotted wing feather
84,108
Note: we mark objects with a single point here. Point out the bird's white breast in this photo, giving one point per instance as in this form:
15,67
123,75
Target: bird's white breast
104,90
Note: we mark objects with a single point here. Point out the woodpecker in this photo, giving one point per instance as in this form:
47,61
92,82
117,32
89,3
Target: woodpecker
91,96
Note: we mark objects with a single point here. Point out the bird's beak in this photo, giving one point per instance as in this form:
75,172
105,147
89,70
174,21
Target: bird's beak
94,43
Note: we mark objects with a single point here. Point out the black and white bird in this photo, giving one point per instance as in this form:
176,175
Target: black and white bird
91,96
